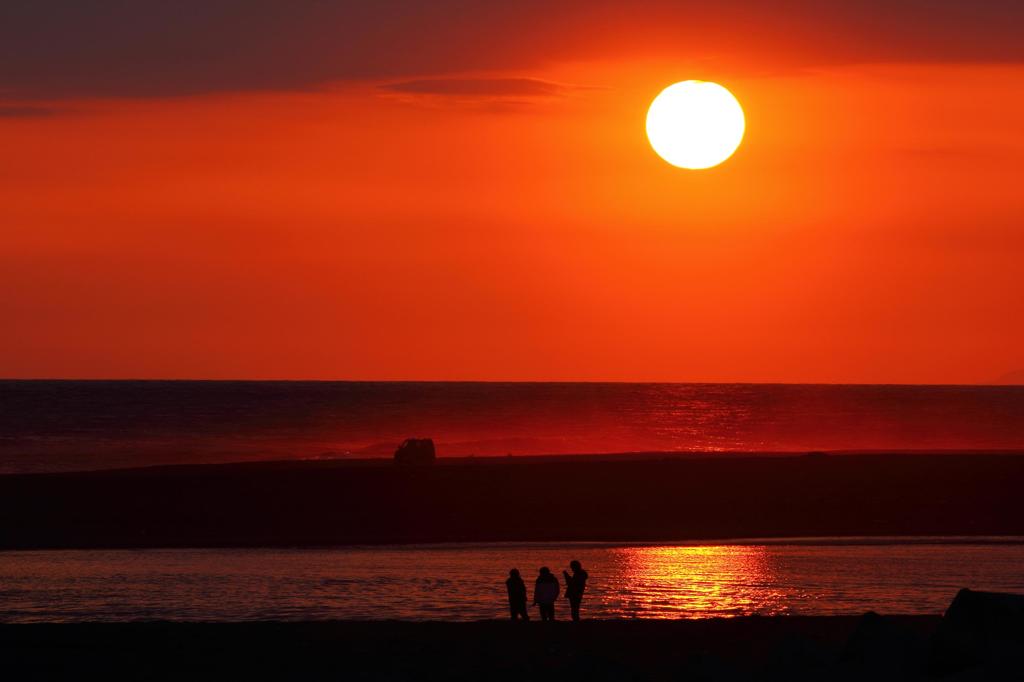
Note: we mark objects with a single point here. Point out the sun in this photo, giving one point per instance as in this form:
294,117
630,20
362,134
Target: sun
695,124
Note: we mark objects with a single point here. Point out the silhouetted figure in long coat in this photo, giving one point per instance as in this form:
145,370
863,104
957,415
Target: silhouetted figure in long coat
516,595
575,584
545,593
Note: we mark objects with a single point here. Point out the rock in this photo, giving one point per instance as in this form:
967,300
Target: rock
415,451
980,630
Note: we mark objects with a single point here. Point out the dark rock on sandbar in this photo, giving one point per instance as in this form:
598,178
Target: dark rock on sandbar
417,451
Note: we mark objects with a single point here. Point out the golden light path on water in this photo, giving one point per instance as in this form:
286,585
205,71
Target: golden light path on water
674,582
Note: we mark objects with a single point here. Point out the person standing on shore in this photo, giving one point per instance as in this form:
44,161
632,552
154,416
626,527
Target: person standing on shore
516,595
575,584
545,593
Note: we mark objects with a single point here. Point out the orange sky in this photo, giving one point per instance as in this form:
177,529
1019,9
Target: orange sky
464,223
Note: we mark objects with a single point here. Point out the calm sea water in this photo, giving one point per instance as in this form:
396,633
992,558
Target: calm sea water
465,582
70,425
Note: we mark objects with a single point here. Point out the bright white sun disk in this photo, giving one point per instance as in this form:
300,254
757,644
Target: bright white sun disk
695,124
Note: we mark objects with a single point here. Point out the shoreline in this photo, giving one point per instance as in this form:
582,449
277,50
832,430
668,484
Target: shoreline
794,541
387,460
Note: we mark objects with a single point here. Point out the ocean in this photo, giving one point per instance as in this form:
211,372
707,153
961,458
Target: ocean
52,426
81,425
824,576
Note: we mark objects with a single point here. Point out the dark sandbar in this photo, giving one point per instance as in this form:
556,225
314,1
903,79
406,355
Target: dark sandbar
516,499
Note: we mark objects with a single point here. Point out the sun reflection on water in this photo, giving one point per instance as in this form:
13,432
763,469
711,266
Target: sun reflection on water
825,576
695,582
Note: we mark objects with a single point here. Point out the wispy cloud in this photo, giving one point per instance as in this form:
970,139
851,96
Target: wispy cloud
499,95
25,111
480,87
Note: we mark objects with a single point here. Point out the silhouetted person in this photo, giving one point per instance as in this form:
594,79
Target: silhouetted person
575,584
516,595
545,593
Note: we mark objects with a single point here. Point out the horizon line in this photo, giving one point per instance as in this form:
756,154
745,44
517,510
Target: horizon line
508,381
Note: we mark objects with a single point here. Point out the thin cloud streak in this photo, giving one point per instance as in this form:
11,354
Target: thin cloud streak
28,111
480,87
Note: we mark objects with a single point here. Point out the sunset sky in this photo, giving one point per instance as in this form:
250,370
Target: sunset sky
464,190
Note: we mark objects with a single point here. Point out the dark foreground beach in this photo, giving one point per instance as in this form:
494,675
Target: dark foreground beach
645,498
783,648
